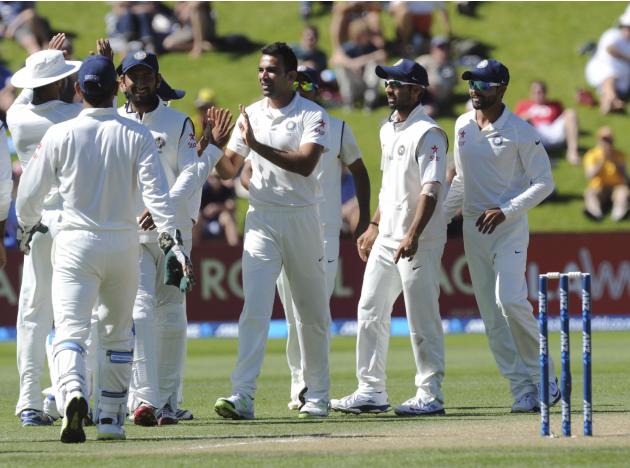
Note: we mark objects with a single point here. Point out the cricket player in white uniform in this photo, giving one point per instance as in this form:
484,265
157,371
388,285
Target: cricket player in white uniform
284,135
342,150
502,171
160,310
6,188
408,224
99,161
29,117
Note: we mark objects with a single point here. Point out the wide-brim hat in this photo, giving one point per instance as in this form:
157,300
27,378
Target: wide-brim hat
42,68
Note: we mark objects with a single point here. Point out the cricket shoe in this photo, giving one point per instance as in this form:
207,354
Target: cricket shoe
166,416
184,414
527,403
359,403
72,424
50,404
314,409
297,402
554,392
144,415
31,417
416,407
236,406
108,429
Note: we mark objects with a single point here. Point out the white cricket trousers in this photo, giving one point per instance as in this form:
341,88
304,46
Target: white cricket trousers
91,265
159,320
294,355
497,264
277,237
35,315
419,281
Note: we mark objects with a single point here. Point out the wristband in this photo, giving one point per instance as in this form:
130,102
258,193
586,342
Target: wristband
374,223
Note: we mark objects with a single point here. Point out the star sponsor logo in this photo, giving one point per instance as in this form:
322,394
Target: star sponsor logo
460,137
321,127
434,155
192,143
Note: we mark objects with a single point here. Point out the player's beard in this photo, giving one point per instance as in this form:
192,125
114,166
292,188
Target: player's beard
144,101
484,102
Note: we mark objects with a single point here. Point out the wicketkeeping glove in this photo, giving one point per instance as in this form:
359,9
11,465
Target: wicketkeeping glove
178,268
25,236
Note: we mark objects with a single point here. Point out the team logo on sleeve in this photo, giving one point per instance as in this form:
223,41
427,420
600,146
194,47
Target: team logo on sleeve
192,143
460,137
434,153
160,142
321,127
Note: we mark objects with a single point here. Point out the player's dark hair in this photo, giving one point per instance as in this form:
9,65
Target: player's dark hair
100,98
282,51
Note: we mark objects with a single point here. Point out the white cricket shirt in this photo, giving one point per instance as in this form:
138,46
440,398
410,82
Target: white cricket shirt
6,181
413,154
177,149
300,122
99,160
343,149
503,165
28,123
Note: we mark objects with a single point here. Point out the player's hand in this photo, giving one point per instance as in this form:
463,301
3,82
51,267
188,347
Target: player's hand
489,220
56,43
362,226
3,256
366,241
407,248
247,131
25,236
217,126
146,221
188,280
104,48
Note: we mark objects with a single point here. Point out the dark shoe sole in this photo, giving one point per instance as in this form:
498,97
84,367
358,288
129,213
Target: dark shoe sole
72,426
364,409
413,415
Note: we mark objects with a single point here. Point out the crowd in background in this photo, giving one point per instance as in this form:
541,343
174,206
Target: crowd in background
347,80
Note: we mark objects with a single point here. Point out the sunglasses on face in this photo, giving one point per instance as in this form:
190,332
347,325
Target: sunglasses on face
482,85
395,84
305,86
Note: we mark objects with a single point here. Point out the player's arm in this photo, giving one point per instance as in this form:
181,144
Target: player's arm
187,181
431,158
303,161
6,187
351,156
455,197
535,163
246,174
367,239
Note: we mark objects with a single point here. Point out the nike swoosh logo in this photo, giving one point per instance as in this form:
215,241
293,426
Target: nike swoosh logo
320,259
330,261
415,268
517,251
537,142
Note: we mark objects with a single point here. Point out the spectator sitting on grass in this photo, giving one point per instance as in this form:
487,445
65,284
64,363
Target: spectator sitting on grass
442,76
605,169
308,52
20,21
556,125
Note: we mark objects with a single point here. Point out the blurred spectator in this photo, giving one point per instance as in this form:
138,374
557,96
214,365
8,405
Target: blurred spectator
195,31
605,169
609,69
414,21
20,21
130,26
467,8
306,8
217,212
355,62
442,76
7,91
205,100
344,13
557,126
308,52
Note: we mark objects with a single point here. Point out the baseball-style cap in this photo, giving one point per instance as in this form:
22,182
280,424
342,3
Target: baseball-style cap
308,75
404,70
140,57
490,71
97,76
42,68
167,93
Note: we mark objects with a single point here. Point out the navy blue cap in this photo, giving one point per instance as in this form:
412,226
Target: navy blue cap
97,76
490,71
140,57
405,70
167,93
308,74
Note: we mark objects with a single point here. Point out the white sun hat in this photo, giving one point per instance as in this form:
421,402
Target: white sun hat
44,67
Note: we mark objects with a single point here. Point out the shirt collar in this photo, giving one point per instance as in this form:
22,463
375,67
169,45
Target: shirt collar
417,111
497,124
283,110
96,111
155,111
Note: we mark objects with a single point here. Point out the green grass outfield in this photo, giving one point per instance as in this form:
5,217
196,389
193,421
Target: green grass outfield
476,431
